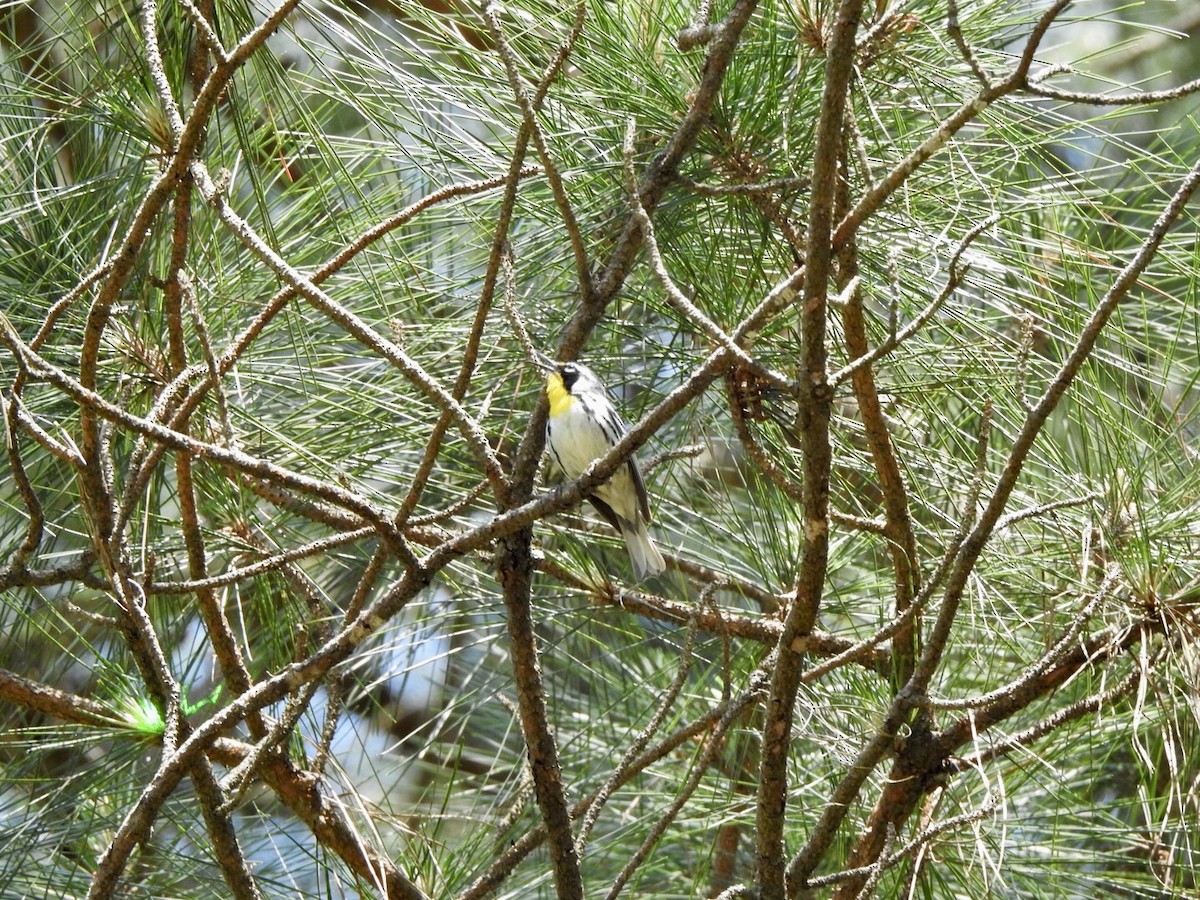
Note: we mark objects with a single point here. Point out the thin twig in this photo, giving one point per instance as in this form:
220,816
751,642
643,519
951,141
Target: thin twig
898,338
426,383
1034,422
221,831
678,299
204,29
874,198
528,349
238,779
635,748
659,173
50,701
269,564
60,305
775,186
178,292
964,48
188,292
583,269
662,457
331,827
1041,666
67,452
1031,735
33,507
1093,99
762,460
154,65
700,31
901,540
699,769
889,861
761,630
1034,512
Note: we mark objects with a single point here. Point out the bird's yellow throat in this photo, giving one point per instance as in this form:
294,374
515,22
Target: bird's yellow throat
556,392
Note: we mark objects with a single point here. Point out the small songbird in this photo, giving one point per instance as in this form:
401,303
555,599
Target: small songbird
583,425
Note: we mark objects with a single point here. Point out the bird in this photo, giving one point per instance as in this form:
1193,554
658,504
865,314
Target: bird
583,425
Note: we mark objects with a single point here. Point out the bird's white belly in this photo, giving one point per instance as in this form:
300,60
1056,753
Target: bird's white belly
578,441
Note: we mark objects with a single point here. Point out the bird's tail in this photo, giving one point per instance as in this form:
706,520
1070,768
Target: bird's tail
642,553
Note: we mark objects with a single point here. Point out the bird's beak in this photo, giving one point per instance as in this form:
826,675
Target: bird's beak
544,362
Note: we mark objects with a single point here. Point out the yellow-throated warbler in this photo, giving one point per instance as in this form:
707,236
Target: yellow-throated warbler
583,425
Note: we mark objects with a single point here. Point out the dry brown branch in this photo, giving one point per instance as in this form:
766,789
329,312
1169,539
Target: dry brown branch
813,426
964,47
1030,736
898,527
1051,657
1096,99
761,630
50,701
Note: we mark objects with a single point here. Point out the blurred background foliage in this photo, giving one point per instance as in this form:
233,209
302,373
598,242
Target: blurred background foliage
355,110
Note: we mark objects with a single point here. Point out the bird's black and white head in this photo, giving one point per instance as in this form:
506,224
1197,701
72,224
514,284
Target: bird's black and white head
578,379
567,381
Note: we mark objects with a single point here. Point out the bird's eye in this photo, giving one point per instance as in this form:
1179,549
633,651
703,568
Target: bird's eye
569,374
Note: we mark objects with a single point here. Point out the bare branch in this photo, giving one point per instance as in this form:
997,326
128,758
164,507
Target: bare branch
875,197
204,29
50,701
660,172
964,48
154,64
700,31
889,860
815,399
1030,736
1093,99
1034,512
269,564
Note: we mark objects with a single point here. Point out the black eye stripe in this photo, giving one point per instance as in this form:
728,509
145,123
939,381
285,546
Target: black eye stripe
569,375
